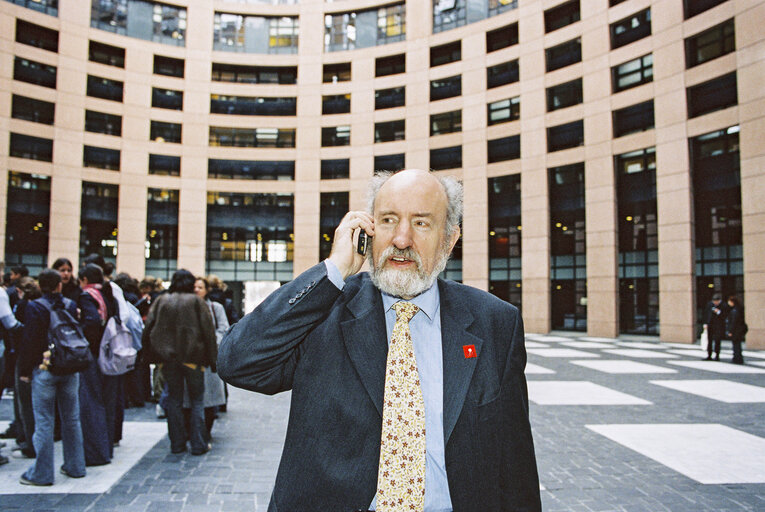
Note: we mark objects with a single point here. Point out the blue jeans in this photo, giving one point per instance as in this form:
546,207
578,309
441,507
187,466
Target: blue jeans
47,389
175,374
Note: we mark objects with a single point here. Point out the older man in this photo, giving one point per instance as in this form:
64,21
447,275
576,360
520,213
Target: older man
406,394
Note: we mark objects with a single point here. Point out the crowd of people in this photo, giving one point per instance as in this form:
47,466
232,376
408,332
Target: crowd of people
725,321
175,331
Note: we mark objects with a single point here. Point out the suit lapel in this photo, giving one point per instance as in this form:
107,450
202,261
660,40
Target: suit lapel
366,340
458,370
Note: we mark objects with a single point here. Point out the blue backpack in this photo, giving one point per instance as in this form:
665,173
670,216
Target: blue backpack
69,349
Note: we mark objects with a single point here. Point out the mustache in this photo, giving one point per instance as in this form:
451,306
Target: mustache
407,253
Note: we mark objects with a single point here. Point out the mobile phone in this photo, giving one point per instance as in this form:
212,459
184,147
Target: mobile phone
361,247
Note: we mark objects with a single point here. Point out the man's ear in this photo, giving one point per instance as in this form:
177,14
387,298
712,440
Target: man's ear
454,237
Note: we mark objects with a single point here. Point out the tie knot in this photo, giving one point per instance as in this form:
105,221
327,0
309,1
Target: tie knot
405,311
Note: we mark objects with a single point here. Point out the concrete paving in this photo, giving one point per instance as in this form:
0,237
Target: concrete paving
644,433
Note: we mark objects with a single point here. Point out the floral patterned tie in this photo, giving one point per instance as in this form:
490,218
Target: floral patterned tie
401,475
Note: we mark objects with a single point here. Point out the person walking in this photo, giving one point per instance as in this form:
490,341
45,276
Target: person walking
179,333
49,389
715,314
735,327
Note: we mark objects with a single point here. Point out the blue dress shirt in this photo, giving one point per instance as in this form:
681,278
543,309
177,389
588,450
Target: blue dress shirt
425,328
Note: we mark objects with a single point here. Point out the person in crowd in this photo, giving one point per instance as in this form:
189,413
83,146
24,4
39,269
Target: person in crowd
98,392
715,314
17,273
150,287
133,381
49,389
179,333
735,327
214,395
71,288
393,368
28,291
222,294
9,328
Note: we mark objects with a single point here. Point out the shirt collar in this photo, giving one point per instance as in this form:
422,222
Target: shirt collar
428,301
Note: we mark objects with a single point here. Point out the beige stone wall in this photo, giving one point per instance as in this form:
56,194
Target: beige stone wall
674,193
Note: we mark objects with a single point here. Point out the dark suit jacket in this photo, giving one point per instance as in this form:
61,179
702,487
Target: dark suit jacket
330,347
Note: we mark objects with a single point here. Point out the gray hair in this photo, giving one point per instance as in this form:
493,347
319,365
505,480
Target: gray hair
452,188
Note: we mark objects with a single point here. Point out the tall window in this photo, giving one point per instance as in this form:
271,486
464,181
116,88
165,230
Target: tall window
638,245
152,21
255,34
568,256
334,205
250,237
715,168
98,220
363,29
161,249
505,238
27,221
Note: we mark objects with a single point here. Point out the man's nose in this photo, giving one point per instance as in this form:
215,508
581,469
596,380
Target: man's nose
402,238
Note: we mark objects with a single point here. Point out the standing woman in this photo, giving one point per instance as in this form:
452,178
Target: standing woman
71,289
214,395
179,333
735,327
98,392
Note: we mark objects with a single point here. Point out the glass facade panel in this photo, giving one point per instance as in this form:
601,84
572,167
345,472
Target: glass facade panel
251,170
30,109
37,36
716,94
161,252
255,34
503,111
363,29
334,205
632,73
98,220
252,137
505,238
49,7
151,21
27,221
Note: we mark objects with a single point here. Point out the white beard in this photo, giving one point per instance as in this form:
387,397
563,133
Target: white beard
406,283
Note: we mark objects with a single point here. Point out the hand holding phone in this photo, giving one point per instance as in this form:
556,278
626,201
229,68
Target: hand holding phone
361,246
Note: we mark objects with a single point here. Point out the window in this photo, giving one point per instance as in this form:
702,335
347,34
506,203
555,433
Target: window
503,111
612,3
391,65
391,23
502,74
637,118
716,94
166,98
168,66
98,219
363,29
500,6
252,137
335,169
101,158
717,41
165,132
165,165
390,98
49,7
446,53
252,106
333,207
564,136
502,38
254,74
255,34
504,208
389,131
101,122
35,35
336,104
448,14
447,122
446,158
564,54
631,29
564,95
34,72
142,19
27,221
283,35
251,170
34,148
561,15
445,87
632,73
336,136
506,148
30,109
694,7
161,242
106,54
389,162
334,73
104,88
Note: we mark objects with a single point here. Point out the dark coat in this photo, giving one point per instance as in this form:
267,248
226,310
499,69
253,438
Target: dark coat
35,337
714,318
330,348
179,328
735,323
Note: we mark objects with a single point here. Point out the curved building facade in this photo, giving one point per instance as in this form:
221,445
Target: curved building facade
611,151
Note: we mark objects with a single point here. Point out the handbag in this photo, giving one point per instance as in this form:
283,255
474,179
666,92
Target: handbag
704,339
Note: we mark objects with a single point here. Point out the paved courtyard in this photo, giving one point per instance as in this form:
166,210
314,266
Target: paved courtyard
619,425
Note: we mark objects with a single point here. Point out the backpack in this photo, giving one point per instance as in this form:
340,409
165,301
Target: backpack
117,354
134,324
69,349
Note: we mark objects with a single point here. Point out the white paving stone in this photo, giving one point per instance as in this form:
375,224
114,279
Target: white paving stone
757,363
532,368
689,352
558,392
622,366
560,352
640,344
587,344
597,338
757,354
717,389
137,439
640,354
707,453
536,344
718,366
552,338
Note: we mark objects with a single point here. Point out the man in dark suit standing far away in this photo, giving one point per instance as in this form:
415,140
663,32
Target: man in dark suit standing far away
408,391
